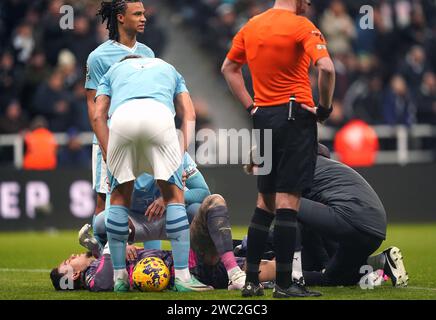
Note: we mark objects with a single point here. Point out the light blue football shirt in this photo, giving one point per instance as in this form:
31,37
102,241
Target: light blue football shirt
141,78
107,54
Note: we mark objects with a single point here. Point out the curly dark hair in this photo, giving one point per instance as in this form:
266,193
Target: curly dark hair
109,11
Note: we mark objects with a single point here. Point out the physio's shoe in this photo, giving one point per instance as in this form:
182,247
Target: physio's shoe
237,280
192,285
121,286
268,284
295,290
252,290
394,267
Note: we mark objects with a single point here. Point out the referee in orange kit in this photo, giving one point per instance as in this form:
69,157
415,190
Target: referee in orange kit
278,46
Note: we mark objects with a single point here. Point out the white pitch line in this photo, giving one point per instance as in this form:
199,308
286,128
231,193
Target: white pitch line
24,270
421,288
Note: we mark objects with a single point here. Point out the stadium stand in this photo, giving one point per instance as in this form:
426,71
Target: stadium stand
385,76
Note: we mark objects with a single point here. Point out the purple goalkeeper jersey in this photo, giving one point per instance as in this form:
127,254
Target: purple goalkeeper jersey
99,275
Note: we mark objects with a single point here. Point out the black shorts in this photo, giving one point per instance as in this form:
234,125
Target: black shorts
294,148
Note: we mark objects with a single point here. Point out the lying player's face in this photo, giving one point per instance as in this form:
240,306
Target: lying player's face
76,262
133,19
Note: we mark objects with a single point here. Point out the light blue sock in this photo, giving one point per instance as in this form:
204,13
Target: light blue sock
192,211
117,228
177,228
153,244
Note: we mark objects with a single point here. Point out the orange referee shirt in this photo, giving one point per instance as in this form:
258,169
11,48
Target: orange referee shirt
278,46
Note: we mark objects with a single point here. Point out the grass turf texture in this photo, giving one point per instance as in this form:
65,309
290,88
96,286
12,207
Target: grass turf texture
24,257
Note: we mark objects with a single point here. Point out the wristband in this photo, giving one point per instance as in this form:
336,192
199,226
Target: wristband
249,109
322,113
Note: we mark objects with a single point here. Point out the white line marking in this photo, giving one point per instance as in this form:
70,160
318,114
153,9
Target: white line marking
24,270
421,288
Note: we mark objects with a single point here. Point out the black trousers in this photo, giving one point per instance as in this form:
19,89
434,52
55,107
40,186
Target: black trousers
352,249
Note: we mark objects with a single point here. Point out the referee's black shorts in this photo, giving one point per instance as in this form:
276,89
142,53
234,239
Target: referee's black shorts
294,148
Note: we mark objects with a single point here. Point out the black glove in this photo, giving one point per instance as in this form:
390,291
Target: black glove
322,113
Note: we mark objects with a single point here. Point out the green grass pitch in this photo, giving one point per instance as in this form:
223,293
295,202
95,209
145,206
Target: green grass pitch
26,257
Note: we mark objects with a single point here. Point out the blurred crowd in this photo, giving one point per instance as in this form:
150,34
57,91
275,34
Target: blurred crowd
385,75
42,67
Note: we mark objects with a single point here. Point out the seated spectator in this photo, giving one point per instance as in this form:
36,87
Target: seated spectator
222,29
414,67
7,73
40,147
398,107
14,120
426,100
79,107
53,37
53,102
68,66
74,155
364,99
23,43
338,28
82,39
36,72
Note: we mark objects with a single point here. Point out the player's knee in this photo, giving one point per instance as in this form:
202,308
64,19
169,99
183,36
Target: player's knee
99,226
266,202
288,201
101,201
213,201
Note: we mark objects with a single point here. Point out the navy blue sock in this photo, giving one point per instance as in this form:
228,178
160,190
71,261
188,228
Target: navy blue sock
256,242
285,234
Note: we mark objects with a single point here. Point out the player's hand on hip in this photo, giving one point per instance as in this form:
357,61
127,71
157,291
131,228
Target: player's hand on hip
156,209
131,253
308,108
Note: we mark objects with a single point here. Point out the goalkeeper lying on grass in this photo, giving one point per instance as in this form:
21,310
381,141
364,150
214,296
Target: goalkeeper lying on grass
210,230
211,257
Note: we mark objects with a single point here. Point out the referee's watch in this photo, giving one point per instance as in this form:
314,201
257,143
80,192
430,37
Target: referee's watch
322,113
250,108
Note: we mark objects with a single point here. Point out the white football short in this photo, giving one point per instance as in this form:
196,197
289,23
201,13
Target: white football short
99,171
143,138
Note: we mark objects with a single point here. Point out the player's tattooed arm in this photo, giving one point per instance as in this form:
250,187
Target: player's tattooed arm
100,118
